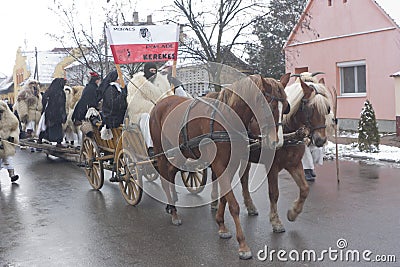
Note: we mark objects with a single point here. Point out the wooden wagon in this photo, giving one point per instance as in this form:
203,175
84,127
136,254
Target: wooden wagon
126,156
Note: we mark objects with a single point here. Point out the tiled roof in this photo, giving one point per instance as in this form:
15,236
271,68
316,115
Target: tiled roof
47,62
6,84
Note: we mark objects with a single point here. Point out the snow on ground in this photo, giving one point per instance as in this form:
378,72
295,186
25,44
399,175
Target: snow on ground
386,153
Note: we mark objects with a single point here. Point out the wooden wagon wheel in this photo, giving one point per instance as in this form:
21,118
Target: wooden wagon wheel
133,141
194,181
93,168
130,178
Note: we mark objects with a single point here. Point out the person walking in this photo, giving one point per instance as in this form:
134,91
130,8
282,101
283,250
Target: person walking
312,155
55,115
9,136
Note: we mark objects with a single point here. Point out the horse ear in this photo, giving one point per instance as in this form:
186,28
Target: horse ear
285,79
307,90
322,81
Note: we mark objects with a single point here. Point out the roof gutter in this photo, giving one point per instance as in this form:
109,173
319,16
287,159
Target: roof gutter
341,36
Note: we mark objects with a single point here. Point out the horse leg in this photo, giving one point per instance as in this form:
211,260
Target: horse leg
214,192
229,197
273,191
244,250
248,202
168,184
298,176
223,232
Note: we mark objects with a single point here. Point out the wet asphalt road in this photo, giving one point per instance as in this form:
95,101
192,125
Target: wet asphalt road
52,217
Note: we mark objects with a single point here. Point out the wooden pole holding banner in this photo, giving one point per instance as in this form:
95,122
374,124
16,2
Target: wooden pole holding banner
120,75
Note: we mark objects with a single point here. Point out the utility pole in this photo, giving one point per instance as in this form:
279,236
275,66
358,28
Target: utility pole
36,73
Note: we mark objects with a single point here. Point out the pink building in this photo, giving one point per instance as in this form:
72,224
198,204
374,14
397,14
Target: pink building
356,43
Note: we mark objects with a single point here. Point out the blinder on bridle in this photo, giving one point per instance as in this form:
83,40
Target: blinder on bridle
308,112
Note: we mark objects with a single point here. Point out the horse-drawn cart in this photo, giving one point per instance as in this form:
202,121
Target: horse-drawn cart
126,156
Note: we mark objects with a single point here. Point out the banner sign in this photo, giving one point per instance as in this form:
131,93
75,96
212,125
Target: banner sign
130,44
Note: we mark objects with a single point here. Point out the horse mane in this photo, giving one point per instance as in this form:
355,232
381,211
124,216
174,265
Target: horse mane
231,94
321,101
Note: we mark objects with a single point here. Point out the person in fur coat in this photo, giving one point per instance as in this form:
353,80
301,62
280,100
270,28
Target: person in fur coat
144,90
72,94
9,134
29,106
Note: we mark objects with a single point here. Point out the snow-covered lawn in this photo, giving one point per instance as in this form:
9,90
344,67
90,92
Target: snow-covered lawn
386,153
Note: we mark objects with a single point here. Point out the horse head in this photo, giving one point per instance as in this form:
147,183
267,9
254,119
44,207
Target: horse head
275,95
310,106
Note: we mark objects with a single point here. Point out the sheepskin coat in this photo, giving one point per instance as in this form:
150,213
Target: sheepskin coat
142,93
9,130
29,102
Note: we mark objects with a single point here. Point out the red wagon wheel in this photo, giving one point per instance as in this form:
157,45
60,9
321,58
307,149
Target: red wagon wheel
93,168
130,178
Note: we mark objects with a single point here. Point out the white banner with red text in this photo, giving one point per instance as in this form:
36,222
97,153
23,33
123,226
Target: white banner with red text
131,44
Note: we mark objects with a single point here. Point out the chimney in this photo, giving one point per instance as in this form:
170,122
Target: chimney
135,17
149,19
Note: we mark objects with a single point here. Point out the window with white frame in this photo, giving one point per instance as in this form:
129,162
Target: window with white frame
352,77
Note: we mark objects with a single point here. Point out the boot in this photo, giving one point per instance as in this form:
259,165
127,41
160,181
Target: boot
313,174
14,177
307,174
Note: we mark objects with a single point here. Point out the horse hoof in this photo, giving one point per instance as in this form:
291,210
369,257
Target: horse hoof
278,229
252,212
224,235
291,215
176,222
214,207
245,255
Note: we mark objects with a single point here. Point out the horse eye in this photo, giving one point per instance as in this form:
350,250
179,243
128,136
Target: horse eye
329,110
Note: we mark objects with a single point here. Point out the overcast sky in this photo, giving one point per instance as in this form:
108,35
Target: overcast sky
25,23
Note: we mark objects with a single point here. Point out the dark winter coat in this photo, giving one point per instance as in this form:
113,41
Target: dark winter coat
114,106
53,102
88,100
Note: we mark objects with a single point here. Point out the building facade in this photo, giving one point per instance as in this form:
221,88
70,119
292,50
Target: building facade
356,43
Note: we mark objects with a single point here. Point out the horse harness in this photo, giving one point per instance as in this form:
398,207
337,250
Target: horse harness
219,136
216,136
303,107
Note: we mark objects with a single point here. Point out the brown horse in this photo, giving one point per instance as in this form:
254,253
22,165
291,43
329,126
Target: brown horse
310,105
212,120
